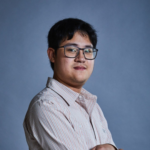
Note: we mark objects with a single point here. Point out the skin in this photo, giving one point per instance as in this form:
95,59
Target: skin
68,72
105,147
65,69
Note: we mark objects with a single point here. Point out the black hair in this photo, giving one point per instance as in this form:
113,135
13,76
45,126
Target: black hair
65,29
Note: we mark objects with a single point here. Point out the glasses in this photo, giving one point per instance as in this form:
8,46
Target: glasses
72,51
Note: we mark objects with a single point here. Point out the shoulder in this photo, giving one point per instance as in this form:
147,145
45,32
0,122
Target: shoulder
46,95
42,103
46,100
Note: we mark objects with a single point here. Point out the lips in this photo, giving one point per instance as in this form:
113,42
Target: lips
79,68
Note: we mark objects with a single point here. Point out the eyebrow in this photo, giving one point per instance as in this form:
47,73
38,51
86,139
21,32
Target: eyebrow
74,44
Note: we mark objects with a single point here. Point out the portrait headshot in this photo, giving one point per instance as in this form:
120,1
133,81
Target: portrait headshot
64,115
75,75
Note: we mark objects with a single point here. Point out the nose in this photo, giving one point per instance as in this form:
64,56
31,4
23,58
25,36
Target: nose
80,57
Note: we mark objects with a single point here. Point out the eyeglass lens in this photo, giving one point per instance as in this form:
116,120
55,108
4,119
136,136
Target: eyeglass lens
72,51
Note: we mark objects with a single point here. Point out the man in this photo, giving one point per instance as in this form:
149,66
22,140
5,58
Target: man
64,116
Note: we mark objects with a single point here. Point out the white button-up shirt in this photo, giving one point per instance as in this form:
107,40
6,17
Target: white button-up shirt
60,119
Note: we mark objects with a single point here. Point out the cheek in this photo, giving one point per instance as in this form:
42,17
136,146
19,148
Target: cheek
90,65
66,64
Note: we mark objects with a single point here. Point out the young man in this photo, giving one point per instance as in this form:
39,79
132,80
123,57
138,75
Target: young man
64,116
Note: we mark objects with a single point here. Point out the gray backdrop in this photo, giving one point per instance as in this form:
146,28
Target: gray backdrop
121,78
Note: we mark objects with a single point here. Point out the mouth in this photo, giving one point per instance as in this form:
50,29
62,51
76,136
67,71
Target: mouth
79,68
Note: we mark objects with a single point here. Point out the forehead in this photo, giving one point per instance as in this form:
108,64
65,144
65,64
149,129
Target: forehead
79,38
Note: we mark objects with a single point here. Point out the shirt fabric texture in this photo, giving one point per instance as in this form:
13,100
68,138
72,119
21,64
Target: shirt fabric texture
60,119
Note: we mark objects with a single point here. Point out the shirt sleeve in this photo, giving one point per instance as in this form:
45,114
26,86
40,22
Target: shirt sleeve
46,128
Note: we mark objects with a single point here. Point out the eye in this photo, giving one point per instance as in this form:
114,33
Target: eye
71,50
88,50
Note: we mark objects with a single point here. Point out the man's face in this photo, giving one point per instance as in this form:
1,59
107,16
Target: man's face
73,71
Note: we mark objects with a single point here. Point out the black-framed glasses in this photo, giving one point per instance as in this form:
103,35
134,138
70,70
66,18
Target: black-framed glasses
72,51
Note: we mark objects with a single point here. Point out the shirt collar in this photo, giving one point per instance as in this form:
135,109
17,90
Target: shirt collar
68,95
71,96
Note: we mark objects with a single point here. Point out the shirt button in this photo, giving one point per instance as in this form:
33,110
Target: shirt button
80,97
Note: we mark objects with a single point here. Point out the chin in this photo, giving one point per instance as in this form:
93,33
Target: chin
80,80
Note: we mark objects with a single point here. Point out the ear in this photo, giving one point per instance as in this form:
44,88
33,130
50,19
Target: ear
51,54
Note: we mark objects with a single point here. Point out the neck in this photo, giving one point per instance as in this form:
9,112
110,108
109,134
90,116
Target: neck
76,88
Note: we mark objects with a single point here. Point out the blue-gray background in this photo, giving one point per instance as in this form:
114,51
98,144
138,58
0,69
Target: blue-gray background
121,78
